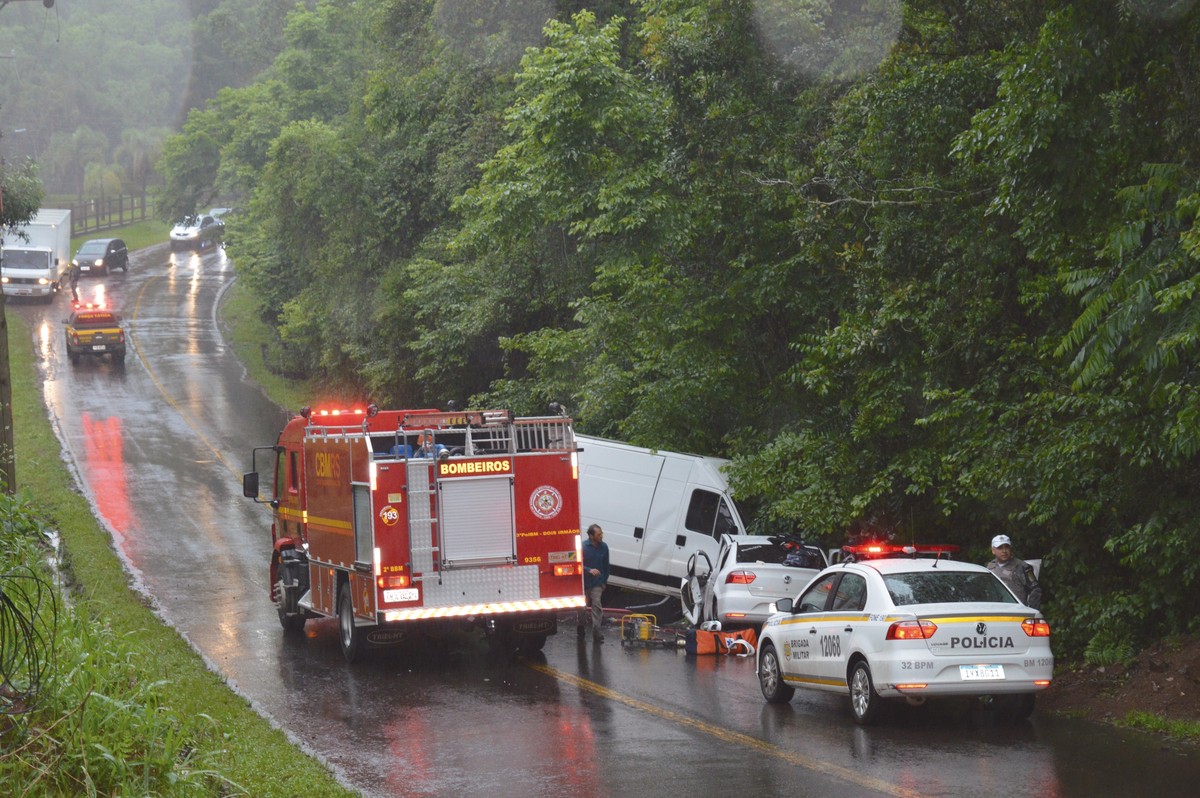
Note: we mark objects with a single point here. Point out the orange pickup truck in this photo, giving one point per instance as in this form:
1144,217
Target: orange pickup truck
94,331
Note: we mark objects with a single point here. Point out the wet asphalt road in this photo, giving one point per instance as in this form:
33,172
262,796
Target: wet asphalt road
159,447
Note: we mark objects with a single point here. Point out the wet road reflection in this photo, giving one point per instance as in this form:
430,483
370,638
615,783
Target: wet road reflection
159,447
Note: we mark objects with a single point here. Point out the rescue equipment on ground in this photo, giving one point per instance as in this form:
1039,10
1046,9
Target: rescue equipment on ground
737,642
639,629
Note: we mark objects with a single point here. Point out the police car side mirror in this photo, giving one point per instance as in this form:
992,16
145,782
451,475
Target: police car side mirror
783,605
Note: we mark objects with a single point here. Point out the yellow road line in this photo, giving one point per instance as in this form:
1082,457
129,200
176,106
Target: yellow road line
729,736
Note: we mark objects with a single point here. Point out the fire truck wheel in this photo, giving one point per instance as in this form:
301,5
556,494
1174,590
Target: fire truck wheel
350,635
532,644
293,622
502,644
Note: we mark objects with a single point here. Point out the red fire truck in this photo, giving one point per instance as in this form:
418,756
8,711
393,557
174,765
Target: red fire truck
397,521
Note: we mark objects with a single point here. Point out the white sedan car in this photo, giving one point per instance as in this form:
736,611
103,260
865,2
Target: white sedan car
906,629
751,574
196,232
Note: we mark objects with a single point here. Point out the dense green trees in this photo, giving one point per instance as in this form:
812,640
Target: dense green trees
926,265
90,86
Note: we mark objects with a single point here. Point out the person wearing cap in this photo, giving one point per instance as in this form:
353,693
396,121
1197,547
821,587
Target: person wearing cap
1017,574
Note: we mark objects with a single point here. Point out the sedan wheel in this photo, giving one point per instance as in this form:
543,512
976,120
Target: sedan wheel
770,679
865,702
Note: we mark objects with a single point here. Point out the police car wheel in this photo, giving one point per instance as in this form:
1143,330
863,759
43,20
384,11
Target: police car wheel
770,679
1016,708
864,701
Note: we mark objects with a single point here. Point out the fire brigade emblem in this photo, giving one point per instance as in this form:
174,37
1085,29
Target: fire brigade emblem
389,515
545,502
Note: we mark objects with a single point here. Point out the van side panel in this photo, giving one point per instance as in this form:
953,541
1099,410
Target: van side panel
641,498
616,487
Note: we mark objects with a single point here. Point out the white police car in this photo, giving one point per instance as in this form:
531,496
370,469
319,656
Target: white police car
906,629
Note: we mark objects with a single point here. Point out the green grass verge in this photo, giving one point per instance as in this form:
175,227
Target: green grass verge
1176,729
258,757
249,336
135,236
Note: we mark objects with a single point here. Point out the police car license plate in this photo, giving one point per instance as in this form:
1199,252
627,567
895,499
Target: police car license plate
971,673
99,347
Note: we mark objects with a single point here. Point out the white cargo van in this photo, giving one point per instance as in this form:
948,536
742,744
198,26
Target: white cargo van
656,508
34,266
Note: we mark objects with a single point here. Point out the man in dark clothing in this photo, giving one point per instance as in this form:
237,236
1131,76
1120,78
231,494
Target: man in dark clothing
73,278
595,578
1017,574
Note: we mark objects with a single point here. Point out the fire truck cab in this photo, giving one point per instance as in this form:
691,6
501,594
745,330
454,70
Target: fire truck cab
396,521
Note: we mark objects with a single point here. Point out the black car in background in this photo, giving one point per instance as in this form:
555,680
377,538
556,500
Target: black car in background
101,256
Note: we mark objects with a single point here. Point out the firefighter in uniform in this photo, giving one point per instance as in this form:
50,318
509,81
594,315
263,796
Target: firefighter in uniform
1015,573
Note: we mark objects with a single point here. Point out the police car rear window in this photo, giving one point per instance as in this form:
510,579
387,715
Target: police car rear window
947,587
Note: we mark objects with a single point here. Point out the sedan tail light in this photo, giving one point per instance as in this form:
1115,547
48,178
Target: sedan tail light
911,630
739,578
1036,627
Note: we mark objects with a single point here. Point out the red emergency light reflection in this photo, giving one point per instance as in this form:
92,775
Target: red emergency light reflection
420,765
104,469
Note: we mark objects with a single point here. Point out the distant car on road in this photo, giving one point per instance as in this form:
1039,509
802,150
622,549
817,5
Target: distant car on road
197,231
95,331
101,256
907,629
751,573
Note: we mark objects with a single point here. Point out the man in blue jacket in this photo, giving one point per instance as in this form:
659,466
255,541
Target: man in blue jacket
595,578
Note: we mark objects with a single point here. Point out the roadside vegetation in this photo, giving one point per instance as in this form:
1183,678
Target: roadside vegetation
99,697
923,268
136,236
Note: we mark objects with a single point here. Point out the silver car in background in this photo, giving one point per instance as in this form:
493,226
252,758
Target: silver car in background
197,231
751,573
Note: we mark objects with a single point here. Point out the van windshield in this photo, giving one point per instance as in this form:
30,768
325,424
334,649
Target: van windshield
710,514
25,259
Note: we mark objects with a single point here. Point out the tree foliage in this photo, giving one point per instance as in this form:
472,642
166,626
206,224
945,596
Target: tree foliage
924,265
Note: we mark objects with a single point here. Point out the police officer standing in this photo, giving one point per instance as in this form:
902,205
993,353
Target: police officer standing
1017,574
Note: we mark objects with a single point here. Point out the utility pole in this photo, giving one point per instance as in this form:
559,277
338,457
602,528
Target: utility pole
21,195
8,451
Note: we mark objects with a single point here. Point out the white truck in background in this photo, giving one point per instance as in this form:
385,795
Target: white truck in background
35,267
656,509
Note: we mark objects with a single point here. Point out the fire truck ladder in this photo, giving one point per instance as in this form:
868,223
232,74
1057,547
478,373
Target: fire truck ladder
421,521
